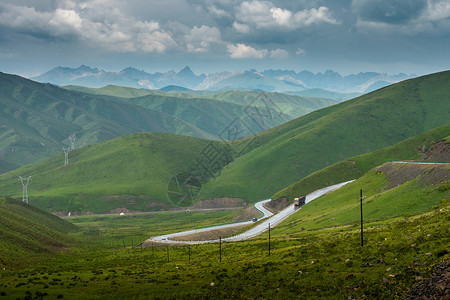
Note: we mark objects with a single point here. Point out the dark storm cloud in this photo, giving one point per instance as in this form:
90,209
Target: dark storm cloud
389,11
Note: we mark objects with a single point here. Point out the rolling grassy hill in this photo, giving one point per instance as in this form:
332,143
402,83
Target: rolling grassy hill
315,253
37,119
213,112
391,191
28,233
351,168
142,171
283,155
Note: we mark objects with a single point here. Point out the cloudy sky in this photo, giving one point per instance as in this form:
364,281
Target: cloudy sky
348,36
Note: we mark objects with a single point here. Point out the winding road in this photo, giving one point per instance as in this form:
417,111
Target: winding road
268,217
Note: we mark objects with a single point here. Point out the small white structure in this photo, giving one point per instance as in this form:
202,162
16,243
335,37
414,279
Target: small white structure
66,155
25,188
122,214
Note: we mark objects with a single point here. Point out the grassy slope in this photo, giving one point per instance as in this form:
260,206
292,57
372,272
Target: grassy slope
132,171
37,119
283,155
414,196
323,261
224,106
354,167
27,232
114,90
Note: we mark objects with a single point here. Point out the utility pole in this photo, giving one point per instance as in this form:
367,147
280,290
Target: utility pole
361,199
220,248
66,155
25,188
269,239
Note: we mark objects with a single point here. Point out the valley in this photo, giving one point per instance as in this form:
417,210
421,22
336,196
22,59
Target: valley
125,189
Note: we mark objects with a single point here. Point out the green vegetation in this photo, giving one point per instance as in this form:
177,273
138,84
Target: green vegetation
354,167
133,171
37,119
133,229
114,90
28,234
402,242
261,165
287,153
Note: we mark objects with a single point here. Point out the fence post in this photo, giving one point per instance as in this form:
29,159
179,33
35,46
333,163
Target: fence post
269,239
220,246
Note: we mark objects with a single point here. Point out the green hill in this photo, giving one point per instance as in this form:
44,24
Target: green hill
354,167
391,191
142,171
37,119
26,233
283,155
213,112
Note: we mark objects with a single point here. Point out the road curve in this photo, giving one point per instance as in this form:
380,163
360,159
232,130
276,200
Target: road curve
269,217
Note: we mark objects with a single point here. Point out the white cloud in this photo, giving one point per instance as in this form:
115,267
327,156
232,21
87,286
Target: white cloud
279,53
97,25
242,28
244,51
263,15
200,39
437,10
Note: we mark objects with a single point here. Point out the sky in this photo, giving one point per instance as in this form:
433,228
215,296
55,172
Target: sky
347,36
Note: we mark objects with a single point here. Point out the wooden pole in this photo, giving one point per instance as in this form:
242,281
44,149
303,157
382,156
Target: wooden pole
269,239
361,198
220,246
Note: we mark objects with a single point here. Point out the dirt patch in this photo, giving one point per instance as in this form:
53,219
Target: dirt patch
248,213
438,152
399,173
220,203
278,204
211,234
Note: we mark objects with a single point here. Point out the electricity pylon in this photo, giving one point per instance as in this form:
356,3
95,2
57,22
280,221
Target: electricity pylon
66,155
72,139
25,188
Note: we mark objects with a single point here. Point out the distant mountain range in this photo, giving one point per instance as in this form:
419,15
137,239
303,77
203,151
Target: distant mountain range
269,80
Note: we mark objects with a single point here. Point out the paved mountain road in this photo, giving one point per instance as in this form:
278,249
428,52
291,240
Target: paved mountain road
269,218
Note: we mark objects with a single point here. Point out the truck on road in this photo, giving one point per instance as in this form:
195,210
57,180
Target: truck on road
299,201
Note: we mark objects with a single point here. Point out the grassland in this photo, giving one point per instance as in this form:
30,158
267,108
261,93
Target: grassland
133,172
28,234
324,259
285,154
354,167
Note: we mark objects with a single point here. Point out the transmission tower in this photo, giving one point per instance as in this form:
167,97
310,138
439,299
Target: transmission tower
66,155
25,188
72,139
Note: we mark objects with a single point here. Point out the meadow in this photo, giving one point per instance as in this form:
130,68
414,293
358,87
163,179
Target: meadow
328,262
316,253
